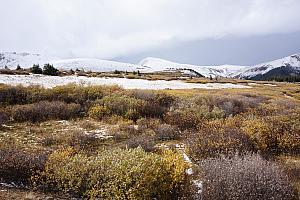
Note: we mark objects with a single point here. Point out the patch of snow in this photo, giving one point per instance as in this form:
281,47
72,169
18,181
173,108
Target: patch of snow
253,84
52,81
272,85
99,133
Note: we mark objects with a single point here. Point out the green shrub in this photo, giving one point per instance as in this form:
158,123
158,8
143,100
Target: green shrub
114,174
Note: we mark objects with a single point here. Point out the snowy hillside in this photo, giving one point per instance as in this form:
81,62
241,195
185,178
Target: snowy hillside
293,62
26,60
148,65
156,64
95,65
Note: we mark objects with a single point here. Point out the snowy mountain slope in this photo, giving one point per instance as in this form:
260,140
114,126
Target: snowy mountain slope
26,60
156,64
292,62
95,65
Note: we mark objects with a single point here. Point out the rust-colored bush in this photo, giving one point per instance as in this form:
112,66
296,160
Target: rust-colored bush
44,110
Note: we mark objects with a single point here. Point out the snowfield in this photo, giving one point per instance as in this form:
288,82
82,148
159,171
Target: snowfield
52,81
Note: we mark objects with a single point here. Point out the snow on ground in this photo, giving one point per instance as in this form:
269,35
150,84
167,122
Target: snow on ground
52,81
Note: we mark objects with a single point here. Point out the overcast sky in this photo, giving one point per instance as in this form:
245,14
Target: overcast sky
191,31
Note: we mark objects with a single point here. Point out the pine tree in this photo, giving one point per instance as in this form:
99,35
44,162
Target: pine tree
50,70
18,67
36,69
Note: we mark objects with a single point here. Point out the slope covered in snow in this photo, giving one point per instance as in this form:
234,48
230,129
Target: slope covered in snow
148,65
293,62
95,65
156,64
26,60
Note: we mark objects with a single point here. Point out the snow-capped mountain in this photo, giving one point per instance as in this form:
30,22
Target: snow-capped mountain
26,60
286,66
95,65
156,64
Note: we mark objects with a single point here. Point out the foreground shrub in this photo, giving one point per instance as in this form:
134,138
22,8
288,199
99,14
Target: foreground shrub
114,174
244,178
44,110
18,165
217,138
275,134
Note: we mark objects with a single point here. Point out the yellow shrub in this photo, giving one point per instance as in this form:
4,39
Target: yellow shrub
114,174
98,112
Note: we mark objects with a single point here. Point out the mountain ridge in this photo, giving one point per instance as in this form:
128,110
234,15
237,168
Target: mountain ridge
151,64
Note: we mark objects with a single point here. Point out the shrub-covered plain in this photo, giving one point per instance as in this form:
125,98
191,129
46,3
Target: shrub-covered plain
104,142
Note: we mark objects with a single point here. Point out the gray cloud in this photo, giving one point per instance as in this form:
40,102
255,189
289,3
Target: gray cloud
114,28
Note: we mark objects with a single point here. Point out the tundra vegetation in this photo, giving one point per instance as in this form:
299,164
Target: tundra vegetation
104,142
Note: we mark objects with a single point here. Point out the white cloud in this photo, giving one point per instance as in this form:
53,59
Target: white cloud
110,28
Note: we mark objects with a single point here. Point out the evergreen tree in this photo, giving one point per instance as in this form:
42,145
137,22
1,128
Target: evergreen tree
18,67
50,70
117,72
36,69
